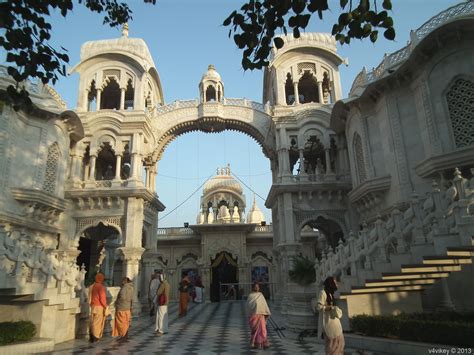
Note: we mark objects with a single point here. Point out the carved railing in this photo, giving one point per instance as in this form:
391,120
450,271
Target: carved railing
461,10
174,231
225,101
439,212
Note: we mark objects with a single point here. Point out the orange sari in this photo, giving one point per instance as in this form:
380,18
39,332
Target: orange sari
122,323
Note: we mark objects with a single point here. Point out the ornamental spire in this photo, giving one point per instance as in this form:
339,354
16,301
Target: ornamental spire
125,30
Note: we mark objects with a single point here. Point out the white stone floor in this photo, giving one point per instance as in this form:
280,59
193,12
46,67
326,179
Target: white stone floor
213,328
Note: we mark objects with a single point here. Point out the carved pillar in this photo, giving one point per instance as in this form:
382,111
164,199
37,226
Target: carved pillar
131,262
328,161
297,95
92,168
302,167
122,98
320,92
118,165
99,95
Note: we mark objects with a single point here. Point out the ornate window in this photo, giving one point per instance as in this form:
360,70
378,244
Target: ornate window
211,94
92,97
359,158
461,107
289,90
110,98
51,173
307,88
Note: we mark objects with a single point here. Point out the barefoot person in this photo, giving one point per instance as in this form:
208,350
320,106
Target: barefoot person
183,294
163,296
99,306
329,322
123,309
258,314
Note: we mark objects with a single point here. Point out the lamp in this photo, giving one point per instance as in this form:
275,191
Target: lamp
263,223
186,225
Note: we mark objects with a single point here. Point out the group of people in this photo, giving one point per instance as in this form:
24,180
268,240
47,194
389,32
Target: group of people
99,308
329,325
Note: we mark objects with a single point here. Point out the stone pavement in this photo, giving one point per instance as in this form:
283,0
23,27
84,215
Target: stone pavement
212,328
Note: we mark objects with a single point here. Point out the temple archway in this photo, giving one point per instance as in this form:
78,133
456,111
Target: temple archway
223,271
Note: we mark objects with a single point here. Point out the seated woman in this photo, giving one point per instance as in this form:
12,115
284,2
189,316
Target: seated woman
258,313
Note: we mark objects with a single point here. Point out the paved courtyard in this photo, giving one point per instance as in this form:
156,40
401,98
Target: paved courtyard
213,328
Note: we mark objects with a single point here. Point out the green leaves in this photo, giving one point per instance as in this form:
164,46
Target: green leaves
27,34
256,24
303,271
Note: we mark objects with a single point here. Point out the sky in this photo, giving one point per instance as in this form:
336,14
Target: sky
184,37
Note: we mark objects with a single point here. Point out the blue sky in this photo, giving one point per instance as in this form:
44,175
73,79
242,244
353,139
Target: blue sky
184,36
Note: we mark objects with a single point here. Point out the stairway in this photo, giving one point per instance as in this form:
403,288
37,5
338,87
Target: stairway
412,278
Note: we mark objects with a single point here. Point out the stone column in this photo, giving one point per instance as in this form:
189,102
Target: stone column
131,263
320,92
99,95
297,95
92,168
446,303
302,167
328,161
122,98
118,163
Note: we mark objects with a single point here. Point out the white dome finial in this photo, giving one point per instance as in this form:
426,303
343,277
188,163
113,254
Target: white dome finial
125,30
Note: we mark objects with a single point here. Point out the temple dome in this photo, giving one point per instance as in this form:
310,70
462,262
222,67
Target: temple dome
255,215
211,74
223,181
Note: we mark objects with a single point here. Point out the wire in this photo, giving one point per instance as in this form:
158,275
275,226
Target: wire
248,186
187,198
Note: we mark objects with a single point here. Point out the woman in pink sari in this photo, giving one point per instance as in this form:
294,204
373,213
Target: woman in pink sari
258,313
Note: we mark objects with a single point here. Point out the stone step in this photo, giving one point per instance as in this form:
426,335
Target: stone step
366,290
399,282
411,268
413,275
441,259
461,251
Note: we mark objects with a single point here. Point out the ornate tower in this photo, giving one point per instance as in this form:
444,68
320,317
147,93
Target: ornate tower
111,183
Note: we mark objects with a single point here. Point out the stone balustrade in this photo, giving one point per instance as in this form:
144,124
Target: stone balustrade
394,59
225,101
437,213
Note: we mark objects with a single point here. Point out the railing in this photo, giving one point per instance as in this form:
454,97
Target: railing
225,101
321,177
240,291
264,229
164,232
439,212
461,10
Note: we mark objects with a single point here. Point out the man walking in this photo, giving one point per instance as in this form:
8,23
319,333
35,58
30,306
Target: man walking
163,296
152,289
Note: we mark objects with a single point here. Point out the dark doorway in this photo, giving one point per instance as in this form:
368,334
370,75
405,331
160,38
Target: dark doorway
224,270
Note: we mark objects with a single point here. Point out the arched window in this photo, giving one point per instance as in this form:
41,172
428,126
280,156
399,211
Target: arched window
289,90
110,98
51,173
92,97
129,96
307,88
460,99
211,94
359,158
326,89
105,164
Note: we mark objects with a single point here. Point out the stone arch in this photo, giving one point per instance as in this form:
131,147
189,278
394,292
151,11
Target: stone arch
262,135
331,231
84,224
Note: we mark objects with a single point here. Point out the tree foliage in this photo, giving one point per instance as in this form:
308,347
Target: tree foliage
303,271
27,35
255,25
27,32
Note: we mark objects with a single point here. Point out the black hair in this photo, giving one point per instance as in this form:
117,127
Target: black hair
330,287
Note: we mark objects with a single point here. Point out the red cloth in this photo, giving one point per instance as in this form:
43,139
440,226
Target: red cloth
258,327
98,295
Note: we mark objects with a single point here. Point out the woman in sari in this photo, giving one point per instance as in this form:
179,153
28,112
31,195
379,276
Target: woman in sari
328,322
123,309
99,306
258,313
183,294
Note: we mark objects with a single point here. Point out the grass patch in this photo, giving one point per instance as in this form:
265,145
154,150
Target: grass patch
11,332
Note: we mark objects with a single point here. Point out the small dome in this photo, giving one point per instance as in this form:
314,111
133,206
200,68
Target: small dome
255,215
211,74
222,181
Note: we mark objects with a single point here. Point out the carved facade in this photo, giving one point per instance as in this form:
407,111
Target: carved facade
384,175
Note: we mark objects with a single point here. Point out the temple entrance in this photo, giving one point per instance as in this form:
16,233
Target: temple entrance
224,271
98,251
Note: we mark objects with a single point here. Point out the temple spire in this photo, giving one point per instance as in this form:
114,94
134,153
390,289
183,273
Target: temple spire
125,30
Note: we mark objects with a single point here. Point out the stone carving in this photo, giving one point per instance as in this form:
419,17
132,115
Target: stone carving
359,158
460,99
51,173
